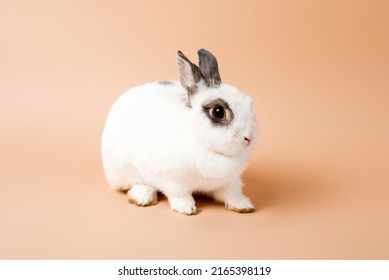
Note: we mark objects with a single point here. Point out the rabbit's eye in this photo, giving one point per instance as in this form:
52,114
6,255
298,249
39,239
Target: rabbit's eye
218,112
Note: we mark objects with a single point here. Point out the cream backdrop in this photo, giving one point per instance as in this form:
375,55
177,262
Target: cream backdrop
317,71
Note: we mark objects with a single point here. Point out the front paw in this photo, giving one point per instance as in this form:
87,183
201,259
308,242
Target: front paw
183,206
240,205
142,195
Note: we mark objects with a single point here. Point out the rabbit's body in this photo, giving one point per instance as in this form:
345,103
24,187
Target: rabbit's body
153,142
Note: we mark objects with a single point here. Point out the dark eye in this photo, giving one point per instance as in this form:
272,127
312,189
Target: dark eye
218,112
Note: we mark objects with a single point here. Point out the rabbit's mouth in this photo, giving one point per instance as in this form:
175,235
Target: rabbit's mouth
223,155
231,154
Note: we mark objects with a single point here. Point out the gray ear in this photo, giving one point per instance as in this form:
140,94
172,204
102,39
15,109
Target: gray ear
209,68
189,74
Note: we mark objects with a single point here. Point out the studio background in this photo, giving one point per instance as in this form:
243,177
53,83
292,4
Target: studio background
316,70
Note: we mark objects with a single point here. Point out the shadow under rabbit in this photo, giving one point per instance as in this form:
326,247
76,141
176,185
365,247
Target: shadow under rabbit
268,188
203,201
291,188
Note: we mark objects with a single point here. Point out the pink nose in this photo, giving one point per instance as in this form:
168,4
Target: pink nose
247,139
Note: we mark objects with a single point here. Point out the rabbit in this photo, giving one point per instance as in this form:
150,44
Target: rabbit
181,138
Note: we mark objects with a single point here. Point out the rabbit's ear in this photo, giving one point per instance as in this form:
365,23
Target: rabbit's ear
209,68
190,75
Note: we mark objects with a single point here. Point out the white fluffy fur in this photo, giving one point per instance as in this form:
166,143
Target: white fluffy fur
152,139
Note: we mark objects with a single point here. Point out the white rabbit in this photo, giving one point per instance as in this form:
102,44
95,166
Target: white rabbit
181,138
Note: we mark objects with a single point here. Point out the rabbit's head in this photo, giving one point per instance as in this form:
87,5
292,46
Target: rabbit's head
224,121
